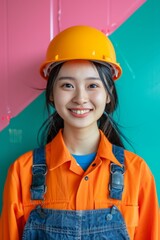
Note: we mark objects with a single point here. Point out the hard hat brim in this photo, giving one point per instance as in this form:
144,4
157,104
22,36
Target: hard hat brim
46,67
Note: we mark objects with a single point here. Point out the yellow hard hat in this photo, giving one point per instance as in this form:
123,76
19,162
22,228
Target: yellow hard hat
80,42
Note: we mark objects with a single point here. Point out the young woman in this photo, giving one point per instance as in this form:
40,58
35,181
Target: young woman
82,184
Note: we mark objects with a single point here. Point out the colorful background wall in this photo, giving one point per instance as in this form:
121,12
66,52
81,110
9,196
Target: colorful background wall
27,28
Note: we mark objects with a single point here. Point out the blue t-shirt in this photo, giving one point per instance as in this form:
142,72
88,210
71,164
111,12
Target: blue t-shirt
84,160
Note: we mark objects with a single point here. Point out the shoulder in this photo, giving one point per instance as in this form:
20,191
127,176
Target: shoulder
131,157
136,165
22,164
19,175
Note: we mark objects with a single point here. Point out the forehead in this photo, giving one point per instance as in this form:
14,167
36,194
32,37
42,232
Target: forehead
78,67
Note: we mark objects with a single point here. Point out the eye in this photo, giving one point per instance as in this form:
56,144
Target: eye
93,85
67,85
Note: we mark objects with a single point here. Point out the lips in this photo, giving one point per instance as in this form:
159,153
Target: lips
80,112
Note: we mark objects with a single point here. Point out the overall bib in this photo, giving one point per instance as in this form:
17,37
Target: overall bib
50,224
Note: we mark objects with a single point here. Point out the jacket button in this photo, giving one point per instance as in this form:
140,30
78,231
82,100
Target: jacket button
86,178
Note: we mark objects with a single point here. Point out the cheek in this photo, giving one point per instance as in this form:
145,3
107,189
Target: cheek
100,99
56,98
58,101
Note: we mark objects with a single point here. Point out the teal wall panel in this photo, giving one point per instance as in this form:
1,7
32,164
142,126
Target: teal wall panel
137,45
20,136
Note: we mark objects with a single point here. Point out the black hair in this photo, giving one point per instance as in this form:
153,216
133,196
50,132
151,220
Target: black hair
54,123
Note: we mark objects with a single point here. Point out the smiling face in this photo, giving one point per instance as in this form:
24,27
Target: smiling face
79,95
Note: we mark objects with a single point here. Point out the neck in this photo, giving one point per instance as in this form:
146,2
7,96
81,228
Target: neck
81,141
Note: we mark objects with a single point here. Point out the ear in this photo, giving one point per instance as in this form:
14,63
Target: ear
51,98
108,99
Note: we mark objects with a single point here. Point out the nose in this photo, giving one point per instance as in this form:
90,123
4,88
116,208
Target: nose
81,96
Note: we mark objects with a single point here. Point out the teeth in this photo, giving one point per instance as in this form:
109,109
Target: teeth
80,111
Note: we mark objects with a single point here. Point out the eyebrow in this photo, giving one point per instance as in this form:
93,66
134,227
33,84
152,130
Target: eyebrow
72,78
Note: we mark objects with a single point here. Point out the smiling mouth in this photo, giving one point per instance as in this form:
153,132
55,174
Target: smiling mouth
80,112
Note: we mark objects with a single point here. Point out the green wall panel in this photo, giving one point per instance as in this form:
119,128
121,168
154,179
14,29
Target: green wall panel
137,44
20,136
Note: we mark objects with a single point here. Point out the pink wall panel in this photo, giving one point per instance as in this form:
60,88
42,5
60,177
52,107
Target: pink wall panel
106,15
25,33
26,28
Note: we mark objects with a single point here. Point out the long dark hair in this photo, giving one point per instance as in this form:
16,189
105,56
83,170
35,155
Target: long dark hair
54,123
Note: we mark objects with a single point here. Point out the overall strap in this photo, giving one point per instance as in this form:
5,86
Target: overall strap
39,171
116,184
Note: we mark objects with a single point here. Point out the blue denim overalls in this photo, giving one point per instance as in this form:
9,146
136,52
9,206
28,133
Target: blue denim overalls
101,224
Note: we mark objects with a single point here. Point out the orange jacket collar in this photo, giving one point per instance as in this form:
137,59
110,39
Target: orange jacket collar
59,153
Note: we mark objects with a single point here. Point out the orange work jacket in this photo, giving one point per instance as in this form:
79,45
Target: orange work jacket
68,188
